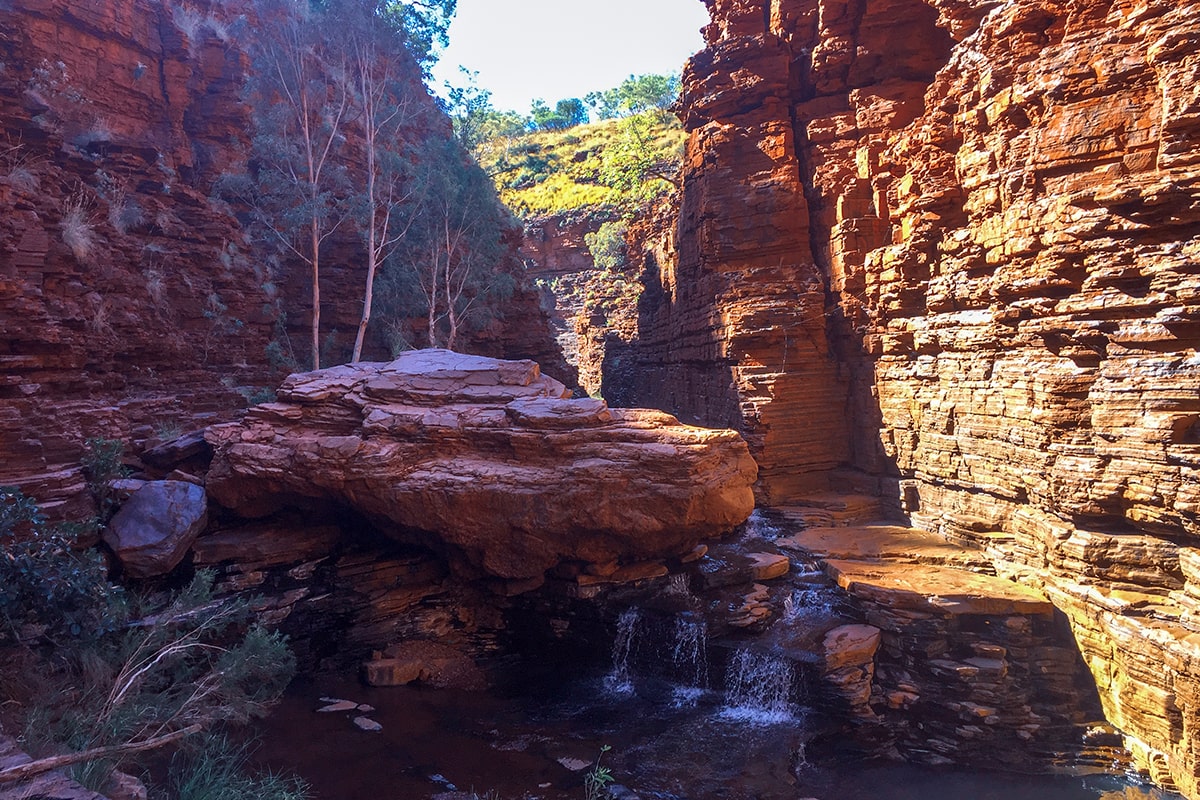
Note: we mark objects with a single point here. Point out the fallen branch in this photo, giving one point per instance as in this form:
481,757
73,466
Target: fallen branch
31,768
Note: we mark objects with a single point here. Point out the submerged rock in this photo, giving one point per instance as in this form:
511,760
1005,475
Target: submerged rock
338,705
487,461
154,529
367,724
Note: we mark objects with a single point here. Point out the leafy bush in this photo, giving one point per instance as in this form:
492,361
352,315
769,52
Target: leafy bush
47,586
607,245
102,464
185,663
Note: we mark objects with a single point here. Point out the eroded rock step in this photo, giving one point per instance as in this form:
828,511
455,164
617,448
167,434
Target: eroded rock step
971,668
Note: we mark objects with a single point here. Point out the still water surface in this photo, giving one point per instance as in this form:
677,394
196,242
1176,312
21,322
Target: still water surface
666,744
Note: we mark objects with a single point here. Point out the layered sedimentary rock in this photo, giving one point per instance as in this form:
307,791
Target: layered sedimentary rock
980,219
486,461
957,665
595,309
131,302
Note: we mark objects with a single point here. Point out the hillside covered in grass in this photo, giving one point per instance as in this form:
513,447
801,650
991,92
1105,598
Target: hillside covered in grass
614,165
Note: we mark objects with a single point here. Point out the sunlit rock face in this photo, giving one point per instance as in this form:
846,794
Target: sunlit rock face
947,250
149,308
487,461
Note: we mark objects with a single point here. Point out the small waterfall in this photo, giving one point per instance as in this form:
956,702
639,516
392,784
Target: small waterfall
758,689
677,585
620,680
758,526
690,657
806,603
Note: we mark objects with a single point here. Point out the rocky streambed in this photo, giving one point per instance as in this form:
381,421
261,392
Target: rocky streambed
736,678
573,576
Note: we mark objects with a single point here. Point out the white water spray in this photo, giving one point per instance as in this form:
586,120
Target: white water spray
758,689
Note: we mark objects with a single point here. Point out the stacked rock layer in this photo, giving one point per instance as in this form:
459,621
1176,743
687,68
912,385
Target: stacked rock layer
947,251
488,462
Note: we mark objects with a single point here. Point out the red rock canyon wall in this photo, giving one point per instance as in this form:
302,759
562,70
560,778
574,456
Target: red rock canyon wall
948,250
156,319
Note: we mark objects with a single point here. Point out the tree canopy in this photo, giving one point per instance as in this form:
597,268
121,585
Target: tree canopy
635,95
424,24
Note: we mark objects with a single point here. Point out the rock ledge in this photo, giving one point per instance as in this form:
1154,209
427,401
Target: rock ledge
487,461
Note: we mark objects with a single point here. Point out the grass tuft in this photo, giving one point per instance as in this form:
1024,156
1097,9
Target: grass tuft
77,231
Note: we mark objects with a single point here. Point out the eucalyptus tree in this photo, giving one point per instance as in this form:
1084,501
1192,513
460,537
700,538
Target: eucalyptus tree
385,94
456,246
300,110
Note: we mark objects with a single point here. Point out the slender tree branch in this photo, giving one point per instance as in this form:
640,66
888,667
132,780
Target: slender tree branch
39,766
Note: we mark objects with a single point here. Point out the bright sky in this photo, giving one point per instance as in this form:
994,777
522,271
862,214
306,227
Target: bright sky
555,49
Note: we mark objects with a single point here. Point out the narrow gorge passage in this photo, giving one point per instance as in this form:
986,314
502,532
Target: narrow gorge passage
815,418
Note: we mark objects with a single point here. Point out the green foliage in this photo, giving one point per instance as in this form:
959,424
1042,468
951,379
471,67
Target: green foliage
554,172
102,464
47,586
566,114
638,156
217,769
469,106
423,25
92,775
450,268
607,245
187,660
478,126
426,24
280,357
635,95
254,395
597,779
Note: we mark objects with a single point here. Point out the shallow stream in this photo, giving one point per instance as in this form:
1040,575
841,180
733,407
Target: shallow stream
667,742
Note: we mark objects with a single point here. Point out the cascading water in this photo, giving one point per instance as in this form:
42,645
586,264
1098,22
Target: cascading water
758,526
619,680
689,654
690,658
806,603
678,586
758,689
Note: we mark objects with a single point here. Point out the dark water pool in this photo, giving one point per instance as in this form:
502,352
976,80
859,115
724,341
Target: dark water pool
665,744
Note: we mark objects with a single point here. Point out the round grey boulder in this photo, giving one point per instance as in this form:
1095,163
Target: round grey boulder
154,529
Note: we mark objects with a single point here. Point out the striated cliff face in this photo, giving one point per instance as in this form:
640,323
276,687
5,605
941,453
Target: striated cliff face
947,251
130,303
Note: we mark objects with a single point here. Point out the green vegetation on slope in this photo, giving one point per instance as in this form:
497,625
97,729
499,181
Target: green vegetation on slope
618,164
554,162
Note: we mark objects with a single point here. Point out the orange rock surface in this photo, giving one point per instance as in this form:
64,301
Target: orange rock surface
130,110
486,461
946,252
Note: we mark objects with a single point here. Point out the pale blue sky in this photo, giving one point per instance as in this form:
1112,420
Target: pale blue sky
554,49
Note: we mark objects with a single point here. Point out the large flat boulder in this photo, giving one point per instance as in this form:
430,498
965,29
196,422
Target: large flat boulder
487,460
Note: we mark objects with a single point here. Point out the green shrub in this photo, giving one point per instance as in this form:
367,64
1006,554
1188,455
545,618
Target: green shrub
47,586
607,245
102,464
